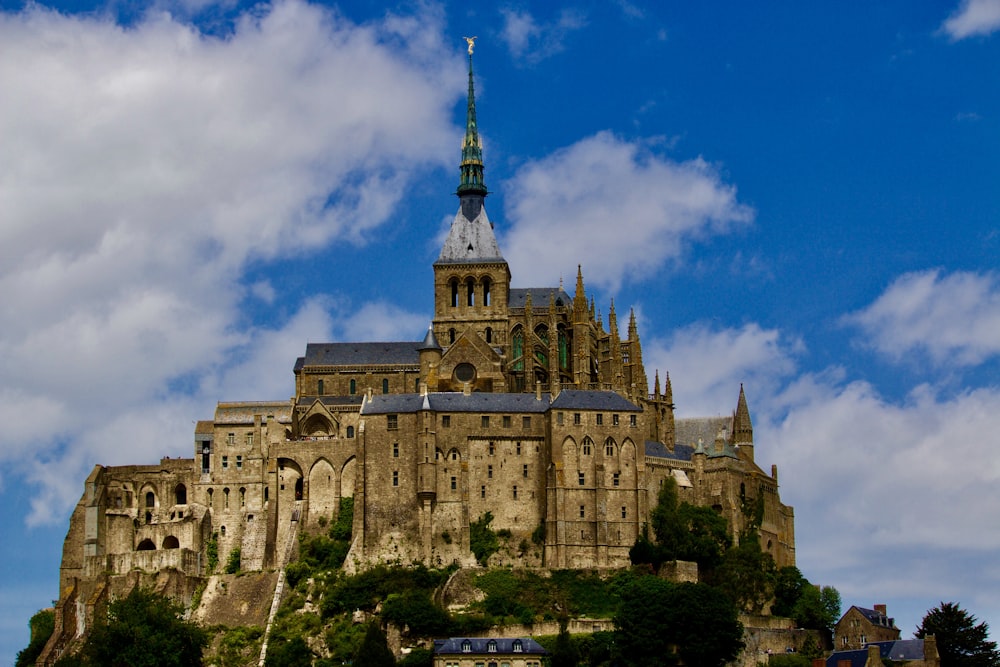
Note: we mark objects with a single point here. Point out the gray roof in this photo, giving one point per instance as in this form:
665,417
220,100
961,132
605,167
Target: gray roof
455,402
362,354
902,649
539,296
659,450
876,617
504,645
326,399
470,240
244,412
689,431
574,399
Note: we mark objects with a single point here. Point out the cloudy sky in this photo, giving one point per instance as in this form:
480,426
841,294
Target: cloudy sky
798,197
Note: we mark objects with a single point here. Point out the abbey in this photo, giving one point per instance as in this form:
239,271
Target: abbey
518,403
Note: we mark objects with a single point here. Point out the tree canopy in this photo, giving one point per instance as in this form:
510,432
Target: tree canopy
961,642
143,629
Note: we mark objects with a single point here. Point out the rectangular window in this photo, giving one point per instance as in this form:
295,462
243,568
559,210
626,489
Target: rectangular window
230,438
491,449
526,423
631,420
583,512
485,421
482,491
225,462
395,450
624,512
576,418
489,472
446,421
518,448
581,478
515,493
239,463
600,418
524,470
506,421
250,439
559,418
614,420
392,422
395,478
454,483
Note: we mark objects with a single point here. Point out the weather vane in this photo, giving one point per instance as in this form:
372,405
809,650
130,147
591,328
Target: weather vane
472,43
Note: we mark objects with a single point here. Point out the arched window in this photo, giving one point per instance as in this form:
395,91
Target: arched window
470,290
454,292
225,495
563,350
350,431
517,349
211,493
171,542
146,545
319,387
243,497
466,646
489,334
451,335
180,495
385,385
150,499
487,297
491,646
587,443
518,647
354,387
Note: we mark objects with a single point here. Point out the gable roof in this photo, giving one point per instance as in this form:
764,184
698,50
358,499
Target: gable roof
517,296
578,399
455,401
362,354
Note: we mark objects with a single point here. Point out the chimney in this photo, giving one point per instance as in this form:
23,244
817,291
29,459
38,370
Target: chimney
880,608
466,389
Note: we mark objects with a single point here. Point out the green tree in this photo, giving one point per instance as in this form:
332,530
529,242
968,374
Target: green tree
374,651
682,532
144,629
659,623
747,574
961,641
42,625
292,653
482,540
415,609
565,653
788,586
818,608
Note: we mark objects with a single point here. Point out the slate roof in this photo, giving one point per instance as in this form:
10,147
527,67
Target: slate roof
244,412
539,296
470,241
689,431
354,399
899,650
575,399
876,617
361,354
456,401
857,657
659,450
505,645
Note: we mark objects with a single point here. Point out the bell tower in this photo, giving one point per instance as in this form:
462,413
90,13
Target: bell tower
471,277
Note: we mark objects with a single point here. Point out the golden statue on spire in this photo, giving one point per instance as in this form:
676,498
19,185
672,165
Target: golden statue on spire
472,42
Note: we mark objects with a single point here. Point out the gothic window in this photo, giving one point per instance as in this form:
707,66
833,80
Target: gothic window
354,387
489,334
243,497
517,349
542,332
319,387
609,447
586,446
542,356
487,297
150,499
385,385
563,350
225,498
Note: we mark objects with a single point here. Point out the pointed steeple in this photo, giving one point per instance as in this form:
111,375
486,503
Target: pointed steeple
742,426
472,181
633,330
656,384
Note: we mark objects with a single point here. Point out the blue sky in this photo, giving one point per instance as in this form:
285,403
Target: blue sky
801,197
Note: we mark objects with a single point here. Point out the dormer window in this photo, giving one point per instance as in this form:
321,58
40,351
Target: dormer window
466,646
518,648
491,646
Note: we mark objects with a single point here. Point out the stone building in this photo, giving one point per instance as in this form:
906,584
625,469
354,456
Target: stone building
518,402
859,627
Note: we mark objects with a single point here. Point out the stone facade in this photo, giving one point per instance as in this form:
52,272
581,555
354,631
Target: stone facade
518,402
859,627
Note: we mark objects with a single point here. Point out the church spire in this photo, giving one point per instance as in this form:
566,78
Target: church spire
471,182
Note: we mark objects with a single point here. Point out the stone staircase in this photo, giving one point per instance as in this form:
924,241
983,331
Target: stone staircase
279,588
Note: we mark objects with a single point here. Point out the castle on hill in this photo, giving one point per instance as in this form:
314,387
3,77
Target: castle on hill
517,402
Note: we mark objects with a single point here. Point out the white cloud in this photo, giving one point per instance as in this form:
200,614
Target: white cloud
614,206
973,17
144,168
949,318
382,321
532,41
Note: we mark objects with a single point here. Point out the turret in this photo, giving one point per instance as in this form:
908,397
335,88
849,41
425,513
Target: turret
742,427
430,358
